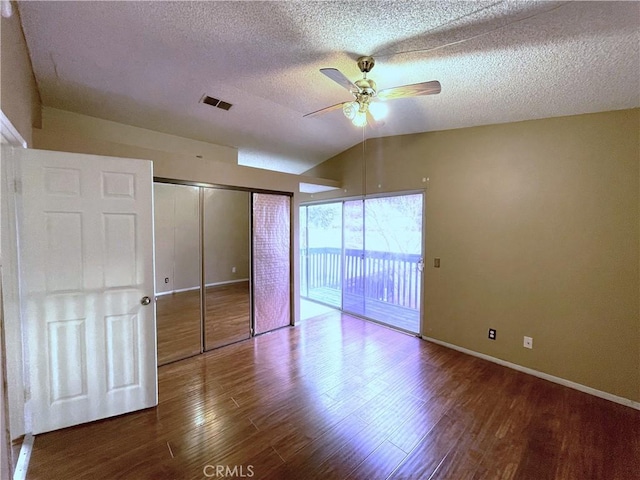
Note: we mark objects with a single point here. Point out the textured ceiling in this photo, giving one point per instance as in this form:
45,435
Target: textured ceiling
149,64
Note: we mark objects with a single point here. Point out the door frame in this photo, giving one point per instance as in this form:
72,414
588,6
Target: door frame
18,386
12,379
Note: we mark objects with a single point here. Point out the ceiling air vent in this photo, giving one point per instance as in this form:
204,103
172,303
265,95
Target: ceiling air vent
215,102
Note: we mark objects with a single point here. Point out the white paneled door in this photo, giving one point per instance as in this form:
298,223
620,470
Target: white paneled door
86,262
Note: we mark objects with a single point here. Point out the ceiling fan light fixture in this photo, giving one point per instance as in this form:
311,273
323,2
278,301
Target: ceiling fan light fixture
379,110
360,119
356,111
350,109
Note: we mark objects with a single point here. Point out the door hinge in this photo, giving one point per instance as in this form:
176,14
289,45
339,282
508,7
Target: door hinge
17,186
27,394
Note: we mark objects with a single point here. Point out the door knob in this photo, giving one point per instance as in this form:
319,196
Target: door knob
145,301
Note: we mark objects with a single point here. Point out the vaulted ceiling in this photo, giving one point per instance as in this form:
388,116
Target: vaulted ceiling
149,64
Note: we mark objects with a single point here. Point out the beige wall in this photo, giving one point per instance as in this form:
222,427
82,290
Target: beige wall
65,124
19,97
537,226
173,157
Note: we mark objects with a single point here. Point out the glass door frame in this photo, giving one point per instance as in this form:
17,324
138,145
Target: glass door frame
420,266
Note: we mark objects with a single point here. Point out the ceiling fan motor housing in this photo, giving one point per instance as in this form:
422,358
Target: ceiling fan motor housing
366,86
365,64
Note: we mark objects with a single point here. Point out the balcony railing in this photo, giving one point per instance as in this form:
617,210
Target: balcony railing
392,278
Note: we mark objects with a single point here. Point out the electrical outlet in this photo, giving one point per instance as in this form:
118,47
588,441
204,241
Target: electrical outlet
436,262
528,342
233,269
166,279
492,333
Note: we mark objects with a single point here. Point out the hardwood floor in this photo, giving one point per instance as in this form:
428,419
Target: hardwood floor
178,326
227,320
338,397
228,314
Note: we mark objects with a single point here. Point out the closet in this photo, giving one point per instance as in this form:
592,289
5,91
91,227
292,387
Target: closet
223,266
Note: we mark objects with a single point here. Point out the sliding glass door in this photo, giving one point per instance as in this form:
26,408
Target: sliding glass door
380,261
324,253
393,260
354,255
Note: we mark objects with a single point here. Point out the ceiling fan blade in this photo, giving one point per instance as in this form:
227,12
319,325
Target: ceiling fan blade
414,90
324,110
338,77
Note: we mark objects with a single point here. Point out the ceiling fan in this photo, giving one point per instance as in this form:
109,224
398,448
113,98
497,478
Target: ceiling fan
362,110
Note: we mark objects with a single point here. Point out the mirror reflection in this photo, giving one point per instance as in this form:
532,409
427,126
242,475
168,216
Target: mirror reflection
227,316
178,280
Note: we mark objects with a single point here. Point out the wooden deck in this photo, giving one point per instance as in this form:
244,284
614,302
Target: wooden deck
341,398
387,313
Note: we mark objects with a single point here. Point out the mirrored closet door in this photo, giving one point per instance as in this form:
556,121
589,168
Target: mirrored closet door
178,271
227,313
208,293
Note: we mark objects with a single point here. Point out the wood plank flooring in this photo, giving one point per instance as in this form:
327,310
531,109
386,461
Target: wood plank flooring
227,320
227,315
178,326
337,397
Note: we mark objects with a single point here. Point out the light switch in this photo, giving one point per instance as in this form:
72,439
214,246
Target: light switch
436,262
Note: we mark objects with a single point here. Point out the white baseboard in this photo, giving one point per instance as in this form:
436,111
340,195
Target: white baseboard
240,280
169,292
561,381
22,466
215,284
